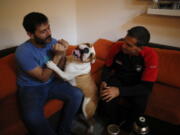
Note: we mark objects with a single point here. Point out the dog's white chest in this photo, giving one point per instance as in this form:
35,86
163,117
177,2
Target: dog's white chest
76,69
83,68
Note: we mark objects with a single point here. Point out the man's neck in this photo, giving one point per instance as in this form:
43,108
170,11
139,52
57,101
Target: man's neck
36,44
138,51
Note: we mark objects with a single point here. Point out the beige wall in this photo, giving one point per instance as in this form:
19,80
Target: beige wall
86,20
111,18
61,13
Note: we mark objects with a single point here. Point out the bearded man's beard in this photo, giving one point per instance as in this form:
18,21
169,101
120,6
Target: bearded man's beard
42,41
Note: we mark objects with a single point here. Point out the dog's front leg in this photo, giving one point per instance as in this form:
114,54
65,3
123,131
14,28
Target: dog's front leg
56,69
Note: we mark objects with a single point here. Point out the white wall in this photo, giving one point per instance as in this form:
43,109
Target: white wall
61,13
86,20
112,18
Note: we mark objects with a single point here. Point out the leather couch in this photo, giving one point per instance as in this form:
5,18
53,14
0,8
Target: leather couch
163,102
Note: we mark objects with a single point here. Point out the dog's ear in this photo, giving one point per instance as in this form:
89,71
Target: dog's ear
93,61
92,58
89,44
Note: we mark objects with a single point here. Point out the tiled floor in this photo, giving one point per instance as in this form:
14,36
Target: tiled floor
157,126
79,128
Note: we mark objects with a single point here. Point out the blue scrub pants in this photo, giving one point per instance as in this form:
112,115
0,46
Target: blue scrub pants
33,99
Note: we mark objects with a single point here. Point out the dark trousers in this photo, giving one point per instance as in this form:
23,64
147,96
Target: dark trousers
123,108
33,99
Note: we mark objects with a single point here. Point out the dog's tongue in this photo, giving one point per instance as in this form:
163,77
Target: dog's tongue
77,53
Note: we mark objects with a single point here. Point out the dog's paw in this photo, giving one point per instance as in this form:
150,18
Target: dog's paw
51,64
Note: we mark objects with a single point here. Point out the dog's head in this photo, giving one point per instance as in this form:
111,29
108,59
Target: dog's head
85,52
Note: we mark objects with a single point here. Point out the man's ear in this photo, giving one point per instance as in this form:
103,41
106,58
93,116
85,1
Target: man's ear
30,35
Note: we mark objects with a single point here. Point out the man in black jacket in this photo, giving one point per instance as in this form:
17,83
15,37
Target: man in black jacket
128,77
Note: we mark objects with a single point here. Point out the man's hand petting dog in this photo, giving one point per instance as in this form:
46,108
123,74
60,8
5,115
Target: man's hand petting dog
108,93
61,47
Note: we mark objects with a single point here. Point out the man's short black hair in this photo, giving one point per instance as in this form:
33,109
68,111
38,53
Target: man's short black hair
32,20
141,34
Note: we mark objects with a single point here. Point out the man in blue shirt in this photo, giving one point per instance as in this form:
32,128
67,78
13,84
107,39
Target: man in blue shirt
36,82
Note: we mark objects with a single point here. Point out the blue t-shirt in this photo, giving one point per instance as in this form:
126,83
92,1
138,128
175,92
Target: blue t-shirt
28,56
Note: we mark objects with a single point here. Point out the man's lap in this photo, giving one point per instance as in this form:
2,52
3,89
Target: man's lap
38,95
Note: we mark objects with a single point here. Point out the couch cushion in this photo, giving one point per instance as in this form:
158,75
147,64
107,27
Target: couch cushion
98,65
97,77
164,103
7,76
70,49
169,66
102,47
52,107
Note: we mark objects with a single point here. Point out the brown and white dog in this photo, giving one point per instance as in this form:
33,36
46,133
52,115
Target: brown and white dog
77,72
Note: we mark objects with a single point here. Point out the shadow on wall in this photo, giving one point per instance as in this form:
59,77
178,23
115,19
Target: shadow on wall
155,20
164,29
5,35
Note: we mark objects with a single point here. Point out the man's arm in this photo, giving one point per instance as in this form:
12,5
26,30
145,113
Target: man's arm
140,89
106,73
43,74
111,92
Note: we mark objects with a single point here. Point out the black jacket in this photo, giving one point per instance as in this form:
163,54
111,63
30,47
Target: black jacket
126,73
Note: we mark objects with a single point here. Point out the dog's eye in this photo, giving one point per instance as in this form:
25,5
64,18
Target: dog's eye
86,50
